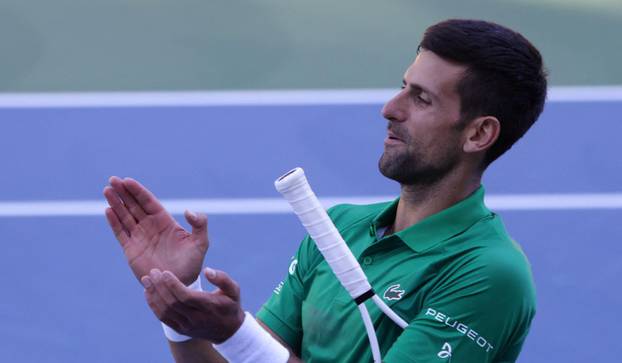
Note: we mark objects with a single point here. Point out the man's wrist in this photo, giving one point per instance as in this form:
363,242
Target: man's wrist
170,333
252,344
234,328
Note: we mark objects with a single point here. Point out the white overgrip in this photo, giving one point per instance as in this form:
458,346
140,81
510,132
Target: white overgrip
296,190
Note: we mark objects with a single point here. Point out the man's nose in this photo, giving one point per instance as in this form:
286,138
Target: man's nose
394,110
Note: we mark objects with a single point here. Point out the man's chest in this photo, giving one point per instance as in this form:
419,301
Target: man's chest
398,276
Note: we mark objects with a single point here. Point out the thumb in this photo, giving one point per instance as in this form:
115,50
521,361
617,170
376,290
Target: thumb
225,283
198,221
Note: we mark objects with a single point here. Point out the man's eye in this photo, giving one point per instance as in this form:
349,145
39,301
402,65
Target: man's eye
422,100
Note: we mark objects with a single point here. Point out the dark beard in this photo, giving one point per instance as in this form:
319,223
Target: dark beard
410,168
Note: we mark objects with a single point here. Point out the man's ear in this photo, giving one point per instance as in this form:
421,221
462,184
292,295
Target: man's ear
481,134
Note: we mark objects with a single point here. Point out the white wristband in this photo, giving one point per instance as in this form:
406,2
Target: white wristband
252,344
170,333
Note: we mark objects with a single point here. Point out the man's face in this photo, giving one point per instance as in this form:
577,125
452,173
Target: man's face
424,140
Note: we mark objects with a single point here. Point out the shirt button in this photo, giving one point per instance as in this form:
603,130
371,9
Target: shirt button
368,260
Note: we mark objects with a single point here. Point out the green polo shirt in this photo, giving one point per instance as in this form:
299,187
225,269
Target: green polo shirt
463,285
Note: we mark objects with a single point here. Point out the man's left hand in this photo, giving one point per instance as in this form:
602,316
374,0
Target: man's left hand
214,316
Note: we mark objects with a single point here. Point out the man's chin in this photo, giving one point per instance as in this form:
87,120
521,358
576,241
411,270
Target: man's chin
408,174
390,169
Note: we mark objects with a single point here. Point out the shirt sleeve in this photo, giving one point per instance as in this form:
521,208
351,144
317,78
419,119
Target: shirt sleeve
480,313
282,312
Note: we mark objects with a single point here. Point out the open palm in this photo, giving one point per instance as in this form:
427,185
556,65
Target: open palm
149,235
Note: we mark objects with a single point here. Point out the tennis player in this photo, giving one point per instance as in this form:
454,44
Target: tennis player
436,255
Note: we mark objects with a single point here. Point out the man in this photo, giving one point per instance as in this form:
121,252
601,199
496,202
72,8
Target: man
436,255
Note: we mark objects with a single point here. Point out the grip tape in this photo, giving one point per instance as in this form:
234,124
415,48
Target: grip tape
296,190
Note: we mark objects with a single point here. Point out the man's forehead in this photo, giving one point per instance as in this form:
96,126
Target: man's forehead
434,73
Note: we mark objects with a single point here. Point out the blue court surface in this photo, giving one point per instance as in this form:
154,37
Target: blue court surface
68,295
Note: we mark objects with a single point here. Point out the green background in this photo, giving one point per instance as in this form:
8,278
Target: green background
137,45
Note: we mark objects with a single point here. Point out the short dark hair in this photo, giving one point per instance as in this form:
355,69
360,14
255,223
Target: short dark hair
505,76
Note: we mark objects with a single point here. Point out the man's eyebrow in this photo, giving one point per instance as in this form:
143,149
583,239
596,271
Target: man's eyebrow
419,87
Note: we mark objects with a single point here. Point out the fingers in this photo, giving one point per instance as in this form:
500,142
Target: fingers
224,283
128,200
169,295
117,228
163,304
198,221
208,315
175,288
147,201
181,292
123,215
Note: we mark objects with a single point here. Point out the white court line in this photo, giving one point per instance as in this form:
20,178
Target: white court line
259,98
516,202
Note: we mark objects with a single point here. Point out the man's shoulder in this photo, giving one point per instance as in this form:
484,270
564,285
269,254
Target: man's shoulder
506,264
488,252
498,247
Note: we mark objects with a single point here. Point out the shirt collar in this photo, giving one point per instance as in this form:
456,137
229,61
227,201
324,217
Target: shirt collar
438,227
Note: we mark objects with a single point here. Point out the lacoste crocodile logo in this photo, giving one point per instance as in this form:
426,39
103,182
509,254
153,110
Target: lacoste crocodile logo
393,293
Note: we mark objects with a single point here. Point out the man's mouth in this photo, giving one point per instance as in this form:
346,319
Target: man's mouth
392,139
392,136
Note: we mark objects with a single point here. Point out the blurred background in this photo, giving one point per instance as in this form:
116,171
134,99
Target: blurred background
132,45
207,102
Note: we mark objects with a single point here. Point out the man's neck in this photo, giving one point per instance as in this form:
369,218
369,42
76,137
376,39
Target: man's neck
420,201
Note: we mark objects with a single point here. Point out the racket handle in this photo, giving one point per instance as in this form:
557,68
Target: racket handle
297,191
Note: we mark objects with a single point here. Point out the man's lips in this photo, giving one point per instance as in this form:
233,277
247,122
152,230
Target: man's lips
391,139
392,135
